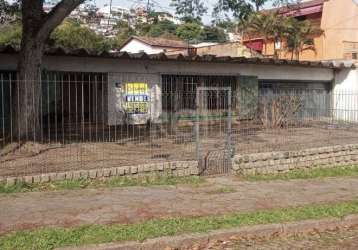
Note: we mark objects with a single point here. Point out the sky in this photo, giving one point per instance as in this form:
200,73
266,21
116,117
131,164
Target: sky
160,5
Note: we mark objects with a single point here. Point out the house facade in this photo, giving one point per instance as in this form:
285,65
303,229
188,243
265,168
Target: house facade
137,88
338,20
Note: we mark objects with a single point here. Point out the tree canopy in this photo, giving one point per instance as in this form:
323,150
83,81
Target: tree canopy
10,34
72,35
214,34
242,9
295,34
161,28
191,32
189,10
8,12
75,35
298,36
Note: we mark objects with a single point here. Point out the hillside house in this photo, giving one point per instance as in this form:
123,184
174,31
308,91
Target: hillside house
338,20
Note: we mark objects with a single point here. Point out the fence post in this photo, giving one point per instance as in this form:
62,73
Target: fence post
197,128
229,124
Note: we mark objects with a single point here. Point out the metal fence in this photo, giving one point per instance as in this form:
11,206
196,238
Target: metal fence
295,119
86,123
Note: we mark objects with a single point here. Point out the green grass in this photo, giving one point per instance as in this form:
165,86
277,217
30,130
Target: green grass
98,183
50,238
306,174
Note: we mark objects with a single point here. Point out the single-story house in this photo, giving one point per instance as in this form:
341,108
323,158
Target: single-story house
122,88
153,45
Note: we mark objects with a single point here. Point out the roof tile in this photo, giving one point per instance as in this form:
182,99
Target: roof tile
180,57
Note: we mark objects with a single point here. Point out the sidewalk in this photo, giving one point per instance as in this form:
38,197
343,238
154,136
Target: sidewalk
134,204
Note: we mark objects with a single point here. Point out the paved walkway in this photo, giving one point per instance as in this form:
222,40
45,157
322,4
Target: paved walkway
134,204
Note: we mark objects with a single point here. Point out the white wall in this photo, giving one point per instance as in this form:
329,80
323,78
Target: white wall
135,46
174,67
116,97
345,95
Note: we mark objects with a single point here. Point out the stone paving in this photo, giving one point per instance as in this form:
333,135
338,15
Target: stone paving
218,195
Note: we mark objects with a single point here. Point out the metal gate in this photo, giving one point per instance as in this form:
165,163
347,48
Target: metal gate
213,130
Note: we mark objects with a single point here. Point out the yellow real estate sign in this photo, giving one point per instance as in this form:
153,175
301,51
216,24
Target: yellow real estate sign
137,97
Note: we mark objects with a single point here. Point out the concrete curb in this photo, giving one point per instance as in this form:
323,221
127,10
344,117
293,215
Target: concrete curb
186,241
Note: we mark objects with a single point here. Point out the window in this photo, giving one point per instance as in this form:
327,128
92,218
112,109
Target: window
351,56
278,45
179,91
301,18
192,51
189,94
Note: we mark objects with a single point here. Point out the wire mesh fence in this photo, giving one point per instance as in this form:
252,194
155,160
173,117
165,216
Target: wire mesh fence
85,121
296,119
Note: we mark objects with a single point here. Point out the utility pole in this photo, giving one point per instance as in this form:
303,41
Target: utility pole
148,9
110,14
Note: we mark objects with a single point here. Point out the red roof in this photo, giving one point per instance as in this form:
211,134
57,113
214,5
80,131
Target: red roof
301,9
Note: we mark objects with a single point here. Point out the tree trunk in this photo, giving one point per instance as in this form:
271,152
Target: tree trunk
265,47
28,90
257,5
36,28
297,55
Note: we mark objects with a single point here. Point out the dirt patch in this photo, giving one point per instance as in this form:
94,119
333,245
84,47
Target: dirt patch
336,239
35,158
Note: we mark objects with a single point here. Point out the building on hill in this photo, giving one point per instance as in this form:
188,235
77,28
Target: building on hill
141,15
166,16
115,12
338,20
154,45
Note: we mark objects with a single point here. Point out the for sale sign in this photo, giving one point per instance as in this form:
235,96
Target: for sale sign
136,98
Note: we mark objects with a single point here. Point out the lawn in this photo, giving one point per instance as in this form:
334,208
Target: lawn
101,183
318,172
50,238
